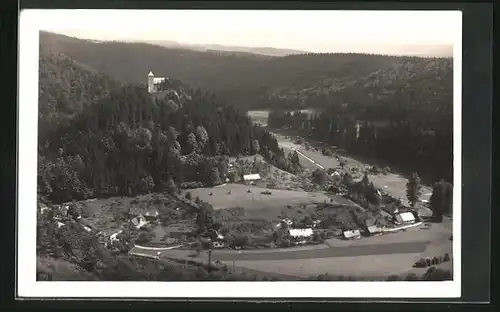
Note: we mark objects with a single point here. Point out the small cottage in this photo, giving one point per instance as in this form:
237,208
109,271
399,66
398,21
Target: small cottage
404,218
352,234
251,178
300,233
373,230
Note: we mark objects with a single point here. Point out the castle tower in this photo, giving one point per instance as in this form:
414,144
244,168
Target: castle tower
151,78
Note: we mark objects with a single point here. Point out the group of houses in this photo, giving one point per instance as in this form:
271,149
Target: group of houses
398,214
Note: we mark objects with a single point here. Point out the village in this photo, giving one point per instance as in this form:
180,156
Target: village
258,207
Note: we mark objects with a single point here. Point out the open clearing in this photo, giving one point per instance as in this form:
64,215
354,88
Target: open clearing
240,197
260,117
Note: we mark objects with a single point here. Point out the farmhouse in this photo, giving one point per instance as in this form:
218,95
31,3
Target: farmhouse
373,230
352,234
301,233
251,178
404,218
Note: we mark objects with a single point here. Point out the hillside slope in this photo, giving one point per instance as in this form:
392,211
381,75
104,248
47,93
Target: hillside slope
66,88
121,140
245,79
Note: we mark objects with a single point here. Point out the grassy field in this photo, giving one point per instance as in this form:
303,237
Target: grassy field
260,117
255,200
376,267
275,178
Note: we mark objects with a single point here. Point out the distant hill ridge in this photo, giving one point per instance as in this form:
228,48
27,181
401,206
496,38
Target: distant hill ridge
242,78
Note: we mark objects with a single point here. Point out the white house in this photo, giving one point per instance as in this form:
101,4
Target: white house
154,82
373,230
296,233
405,218
352,234
251,177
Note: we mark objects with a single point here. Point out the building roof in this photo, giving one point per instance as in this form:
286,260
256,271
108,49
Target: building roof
254,176
407,216
150,74
373,229
301,232
354,233
158,79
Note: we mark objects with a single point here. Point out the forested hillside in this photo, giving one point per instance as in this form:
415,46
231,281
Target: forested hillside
66,89
402,116
409,92
244,79
129,142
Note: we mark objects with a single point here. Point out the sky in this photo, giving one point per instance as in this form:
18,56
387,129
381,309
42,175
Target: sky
314,31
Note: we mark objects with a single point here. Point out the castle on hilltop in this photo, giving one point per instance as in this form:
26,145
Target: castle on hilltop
154,83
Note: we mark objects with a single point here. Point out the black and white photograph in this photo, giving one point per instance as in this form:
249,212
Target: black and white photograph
193,151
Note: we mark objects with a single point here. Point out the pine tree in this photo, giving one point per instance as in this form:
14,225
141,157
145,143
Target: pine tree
413,189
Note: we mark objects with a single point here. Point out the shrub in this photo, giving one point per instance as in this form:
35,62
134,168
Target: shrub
446,257
188,196
435,274
394,278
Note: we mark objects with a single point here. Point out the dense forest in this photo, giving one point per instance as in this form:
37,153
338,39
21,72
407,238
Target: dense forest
402,116
129,142
403,105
